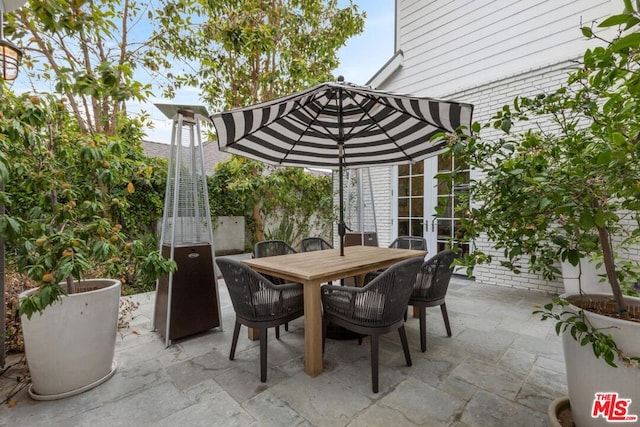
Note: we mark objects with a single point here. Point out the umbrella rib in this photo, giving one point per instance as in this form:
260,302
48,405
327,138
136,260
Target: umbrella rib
375,122
385,101
308,126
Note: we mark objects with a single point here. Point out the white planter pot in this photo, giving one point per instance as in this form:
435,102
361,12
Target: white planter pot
70,346
587,375
585,277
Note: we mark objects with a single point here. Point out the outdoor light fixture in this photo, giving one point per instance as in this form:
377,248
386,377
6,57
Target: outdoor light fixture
10,57
10,54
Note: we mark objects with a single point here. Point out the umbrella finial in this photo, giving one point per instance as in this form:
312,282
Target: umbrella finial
340,78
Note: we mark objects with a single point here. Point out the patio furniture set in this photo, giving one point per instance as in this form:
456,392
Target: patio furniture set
280,285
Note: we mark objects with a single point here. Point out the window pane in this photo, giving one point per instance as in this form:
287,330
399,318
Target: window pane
403,207
444,162
416,227
404,170
444,229
403,227
403,187
417,185
444,207
444,185
417,168
417,207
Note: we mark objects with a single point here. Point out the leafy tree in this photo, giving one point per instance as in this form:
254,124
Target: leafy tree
65,191
246,51
562,180
89,52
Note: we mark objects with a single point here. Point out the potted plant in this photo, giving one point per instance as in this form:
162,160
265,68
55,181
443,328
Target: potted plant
65,192
560,181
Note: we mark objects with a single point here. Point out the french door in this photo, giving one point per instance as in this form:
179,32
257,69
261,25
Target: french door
431,206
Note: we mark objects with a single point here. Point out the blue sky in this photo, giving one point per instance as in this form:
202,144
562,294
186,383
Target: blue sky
359,60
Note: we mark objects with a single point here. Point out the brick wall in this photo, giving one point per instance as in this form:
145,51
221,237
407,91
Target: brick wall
487,99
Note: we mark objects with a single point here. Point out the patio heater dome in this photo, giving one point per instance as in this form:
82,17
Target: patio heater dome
187,300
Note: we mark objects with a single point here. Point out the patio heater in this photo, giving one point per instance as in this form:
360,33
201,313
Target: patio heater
187,300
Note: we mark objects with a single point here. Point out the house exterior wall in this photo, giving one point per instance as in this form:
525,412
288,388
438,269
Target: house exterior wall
485,53
460,43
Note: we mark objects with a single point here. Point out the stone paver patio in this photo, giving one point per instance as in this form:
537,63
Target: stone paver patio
502,367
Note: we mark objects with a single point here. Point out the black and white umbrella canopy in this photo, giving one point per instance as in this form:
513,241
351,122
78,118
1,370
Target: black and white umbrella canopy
308,127
339,125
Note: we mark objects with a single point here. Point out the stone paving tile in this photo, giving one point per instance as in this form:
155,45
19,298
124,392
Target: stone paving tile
484,345
422,404
517,361
322,400
541,387
221,409
489,377
270,410
144,408
486,409
193,371
458,388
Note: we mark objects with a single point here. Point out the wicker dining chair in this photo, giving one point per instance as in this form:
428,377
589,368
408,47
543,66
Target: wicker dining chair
410,242
268,248
430,290
272,248
314,244
375,309
402,242
259,304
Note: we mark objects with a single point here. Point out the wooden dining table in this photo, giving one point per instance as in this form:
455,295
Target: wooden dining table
312,269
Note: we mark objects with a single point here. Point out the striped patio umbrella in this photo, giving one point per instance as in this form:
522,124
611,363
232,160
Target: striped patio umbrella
339,125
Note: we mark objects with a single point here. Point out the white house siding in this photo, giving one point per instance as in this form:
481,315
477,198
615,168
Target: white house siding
458,43
485,53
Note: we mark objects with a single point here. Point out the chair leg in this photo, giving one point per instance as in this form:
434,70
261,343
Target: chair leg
278,332
445,316
405,345
325,325
286,326
422,314
234,341
374,362
263,355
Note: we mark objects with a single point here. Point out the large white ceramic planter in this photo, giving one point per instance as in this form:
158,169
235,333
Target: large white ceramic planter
587,375
584,277
70,346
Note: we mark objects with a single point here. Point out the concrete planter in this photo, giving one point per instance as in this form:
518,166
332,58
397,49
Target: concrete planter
584,277
555,409
70,346
587,375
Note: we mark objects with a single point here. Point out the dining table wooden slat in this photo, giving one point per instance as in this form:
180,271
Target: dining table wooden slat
312,269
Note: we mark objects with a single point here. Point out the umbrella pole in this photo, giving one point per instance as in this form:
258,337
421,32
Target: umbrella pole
341,224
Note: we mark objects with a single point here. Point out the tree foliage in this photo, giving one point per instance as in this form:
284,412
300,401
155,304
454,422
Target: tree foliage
66,195
248,51
289,196
87,51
